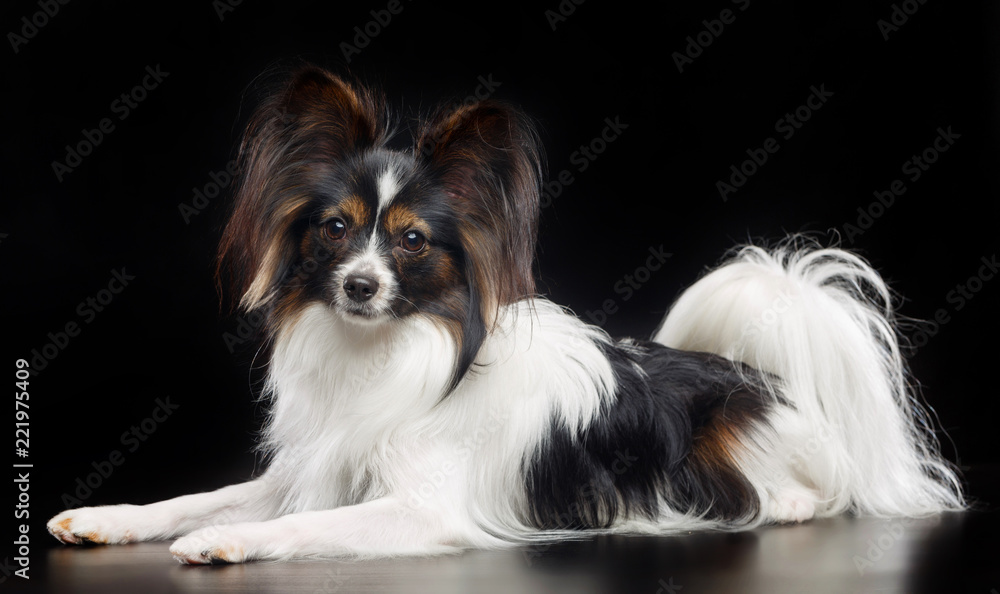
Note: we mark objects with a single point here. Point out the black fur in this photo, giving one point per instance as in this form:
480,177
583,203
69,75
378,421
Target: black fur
653,444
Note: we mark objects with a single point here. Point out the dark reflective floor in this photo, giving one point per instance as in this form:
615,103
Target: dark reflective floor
954,553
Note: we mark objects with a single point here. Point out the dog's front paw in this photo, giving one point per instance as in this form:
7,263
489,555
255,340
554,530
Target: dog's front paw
211,546
94,525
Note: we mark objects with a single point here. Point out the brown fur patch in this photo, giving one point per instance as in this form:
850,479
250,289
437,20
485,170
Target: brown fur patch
715,449
93,537
228,554
714,445
352,209
287,309
399,218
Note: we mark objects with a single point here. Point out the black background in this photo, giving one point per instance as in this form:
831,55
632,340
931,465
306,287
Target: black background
655,185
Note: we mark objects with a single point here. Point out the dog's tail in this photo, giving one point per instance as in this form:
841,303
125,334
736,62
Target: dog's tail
821,321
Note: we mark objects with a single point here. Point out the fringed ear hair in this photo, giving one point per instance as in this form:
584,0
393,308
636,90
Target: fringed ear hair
313,121
487,157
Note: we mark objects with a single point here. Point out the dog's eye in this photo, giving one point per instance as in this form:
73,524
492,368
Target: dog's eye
335,229
412,241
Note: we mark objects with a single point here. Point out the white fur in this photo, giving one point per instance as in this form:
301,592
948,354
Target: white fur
821,320
388,186
369,460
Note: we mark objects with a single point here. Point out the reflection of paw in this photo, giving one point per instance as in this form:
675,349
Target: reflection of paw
793,506
93,525
212,545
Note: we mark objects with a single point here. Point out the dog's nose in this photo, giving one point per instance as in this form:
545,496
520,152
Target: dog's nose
360,288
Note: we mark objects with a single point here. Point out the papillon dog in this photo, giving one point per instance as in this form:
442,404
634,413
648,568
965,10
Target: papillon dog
425,399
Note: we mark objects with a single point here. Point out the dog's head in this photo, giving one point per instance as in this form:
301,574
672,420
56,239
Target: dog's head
326,213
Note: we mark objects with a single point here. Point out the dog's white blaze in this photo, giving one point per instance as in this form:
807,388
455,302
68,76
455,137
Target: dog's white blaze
388,187
370,262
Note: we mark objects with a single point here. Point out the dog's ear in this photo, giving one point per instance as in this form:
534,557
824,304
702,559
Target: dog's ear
328,116
487,157
313,120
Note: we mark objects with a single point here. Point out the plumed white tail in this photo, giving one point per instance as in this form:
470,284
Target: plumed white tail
821,320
